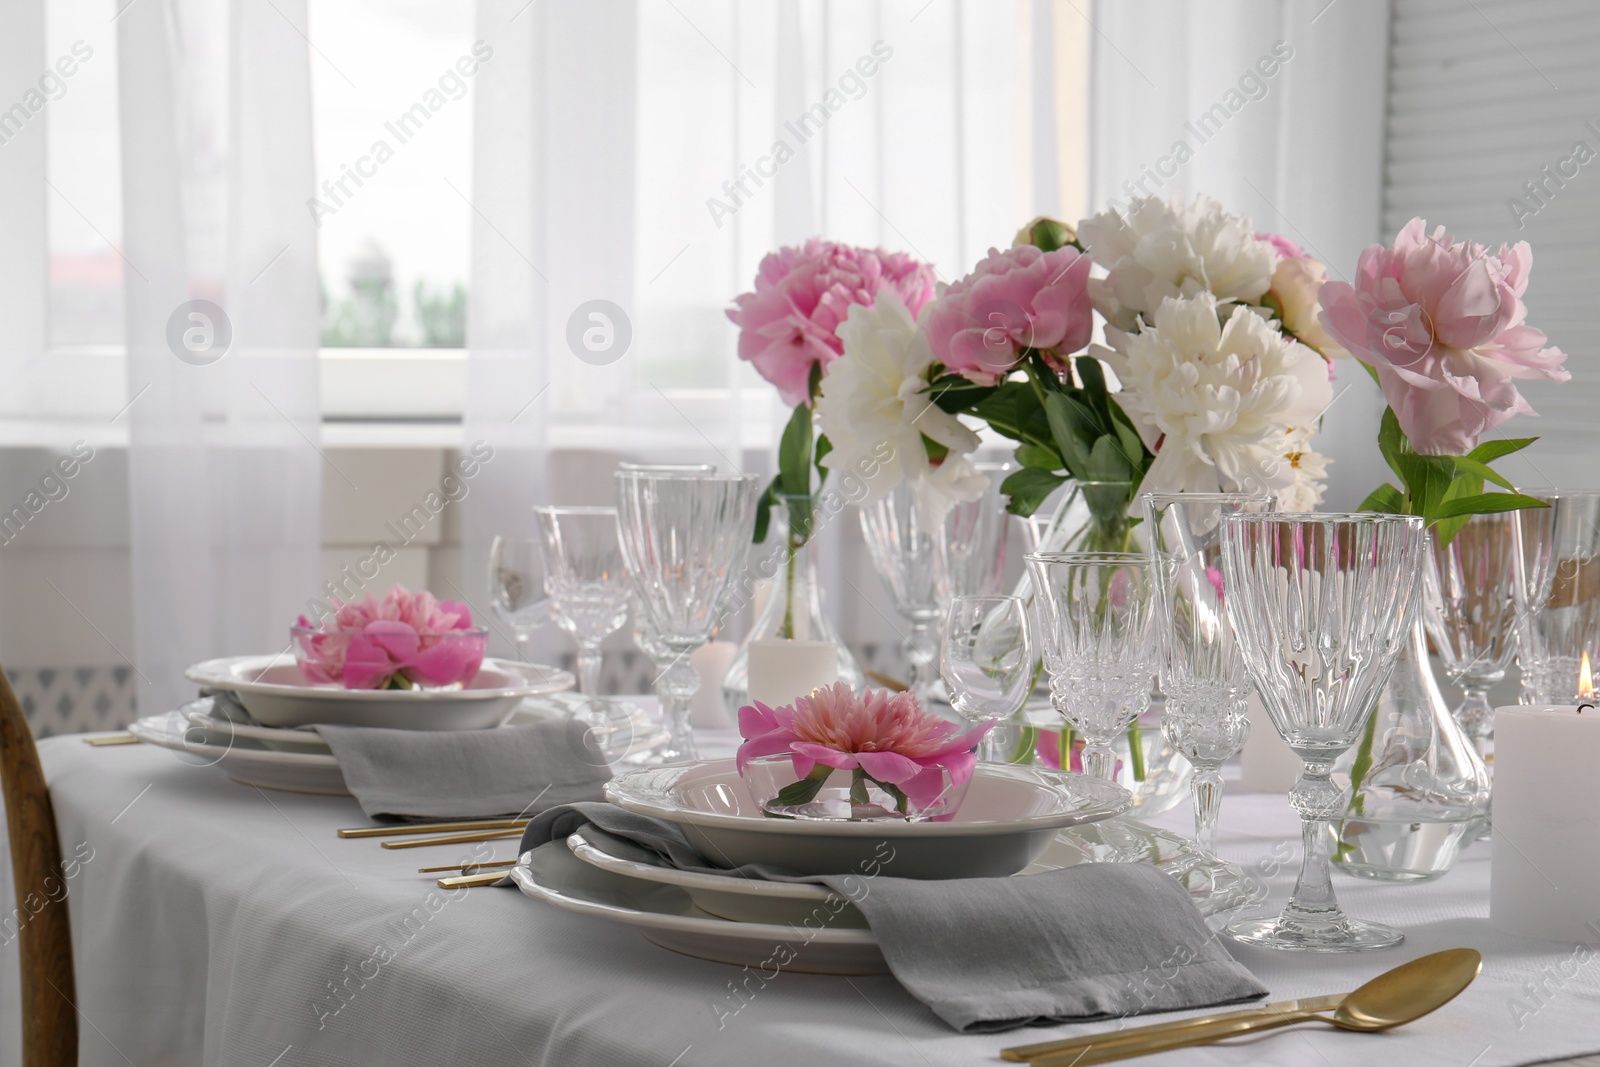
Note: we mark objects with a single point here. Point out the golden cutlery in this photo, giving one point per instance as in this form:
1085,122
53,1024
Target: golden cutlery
468,867
472,881
1108,1038
453,839
1396,997
400,829
888,681
101,740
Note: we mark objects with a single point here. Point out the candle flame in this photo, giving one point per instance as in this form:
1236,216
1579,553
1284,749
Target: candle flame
1585,679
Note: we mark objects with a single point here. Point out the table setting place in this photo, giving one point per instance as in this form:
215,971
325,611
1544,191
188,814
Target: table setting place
1019,852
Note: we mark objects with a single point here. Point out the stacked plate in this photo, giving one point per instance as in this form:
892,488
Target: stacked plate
1016,821
257,728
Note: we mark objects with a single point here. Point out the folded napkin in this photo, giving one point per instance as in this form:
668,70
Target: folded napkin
467,774
1090,942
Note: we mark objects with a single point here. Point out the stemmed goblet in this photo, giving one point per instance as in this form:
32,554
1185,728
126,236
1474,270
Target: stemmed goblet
1202,671
1094,612
972,542
685,538
987,660
645,637
516,587
586,580
904,550
1321,605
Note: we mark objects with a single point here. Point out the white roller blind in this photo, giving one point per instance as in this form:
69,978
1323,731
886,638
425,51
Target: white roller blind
1483,95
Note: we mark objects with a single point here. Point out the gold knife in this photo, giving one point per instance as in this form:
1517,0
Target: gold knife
1067,1047
472,881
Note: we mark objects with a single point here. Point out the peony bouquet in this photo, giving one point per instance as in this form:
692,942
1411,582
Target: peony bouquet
886,741
408,640
1440,324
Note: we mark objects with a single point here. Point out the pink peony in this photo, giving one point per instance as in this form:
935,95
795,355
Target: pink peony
1016,299
408,638
887,736
1442,323
802,295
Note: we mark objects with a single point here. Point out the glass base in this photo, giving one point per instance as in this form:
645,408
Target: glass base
1298,935
1400,850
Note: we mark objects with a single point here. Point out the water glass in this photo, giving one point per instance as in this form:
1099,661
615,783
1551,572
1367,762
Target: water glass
516,587
1203,673
1094,614
685,537
987,660
1321,606
586,580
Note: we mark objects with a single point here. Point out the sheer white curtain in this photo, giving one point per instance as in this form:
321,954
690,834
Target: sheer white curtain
225,472
1300,150
650,154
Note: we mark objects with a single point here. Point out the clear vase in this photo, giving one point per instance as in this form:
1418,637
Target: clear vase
792,609
1419,792
1093,517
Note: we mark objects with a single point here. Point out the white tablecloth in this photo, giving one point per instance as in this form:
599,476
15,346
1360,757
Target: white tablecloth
220,924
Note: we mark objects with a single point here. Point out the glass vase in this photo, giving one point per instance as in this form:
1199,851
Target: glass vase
1093,517
793,608
1419,792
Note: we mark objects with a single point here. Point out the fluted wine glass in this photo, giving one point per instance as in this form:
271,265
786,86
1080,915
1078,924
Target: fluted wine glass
685,538
645,638
1202,670
1321,605
586,580
987,659
1094,614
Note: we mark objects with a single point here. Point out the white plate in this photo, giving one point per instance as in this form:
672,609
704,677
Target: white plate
665,915
244,760
1117,840
1008,818
274,692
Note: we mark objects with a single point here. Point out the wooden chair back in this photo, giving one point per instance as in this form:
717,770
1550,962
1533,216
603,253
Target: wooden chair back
49,1017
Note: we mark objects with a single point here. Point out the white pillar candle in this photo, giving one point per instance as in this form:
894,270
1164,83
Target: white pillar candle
782,670
1266,764
1544,866
710,661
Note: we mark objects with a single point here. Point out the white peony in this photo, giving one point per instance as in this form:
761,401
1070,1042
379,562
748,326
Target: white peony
1217,401
1163,249
877,393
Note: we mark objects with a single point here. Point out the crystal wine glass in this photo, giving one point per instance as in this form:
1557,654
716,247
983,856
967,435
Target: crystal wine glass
1321,605
904,549
587,581
1559,627
972,542
1202,672
1470,599
1094,612
516,587
987,660
645,638
685,538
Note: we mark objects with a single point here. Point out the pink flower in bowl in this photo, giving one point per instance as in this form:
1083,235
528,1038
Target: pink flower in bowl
1442,323
408,640
802,295
886,740
1017,299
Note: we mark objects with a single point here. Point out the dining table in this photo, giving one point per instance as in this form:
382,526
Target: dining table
219,923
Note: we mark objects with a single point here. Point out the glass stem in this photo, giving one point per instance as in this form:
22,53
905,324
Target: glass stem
1319,802
1476,715
675,689
922,653
1098,760
589,660
522,646
1206,788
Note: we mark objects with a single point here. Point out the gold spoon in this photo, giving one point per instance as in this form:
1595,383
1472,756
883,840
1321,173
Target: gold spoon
1396,997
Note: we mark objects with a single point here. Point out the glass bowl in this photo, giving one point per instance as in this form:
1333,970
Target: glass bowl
844,795
441,661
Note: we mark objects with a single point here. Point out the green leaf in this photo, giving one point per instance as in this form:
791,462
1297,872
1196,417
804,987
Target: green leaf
764,503
1392,442
1028,488
1041,456
1482,472
794,454
806,789
1108,462
1384,498
1485,504
1132,443
1489,451
824,446
1072,429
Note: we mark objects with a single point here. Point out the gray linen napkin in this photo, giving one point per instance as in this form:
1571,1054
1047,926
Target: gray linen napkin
467,774
1090,942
